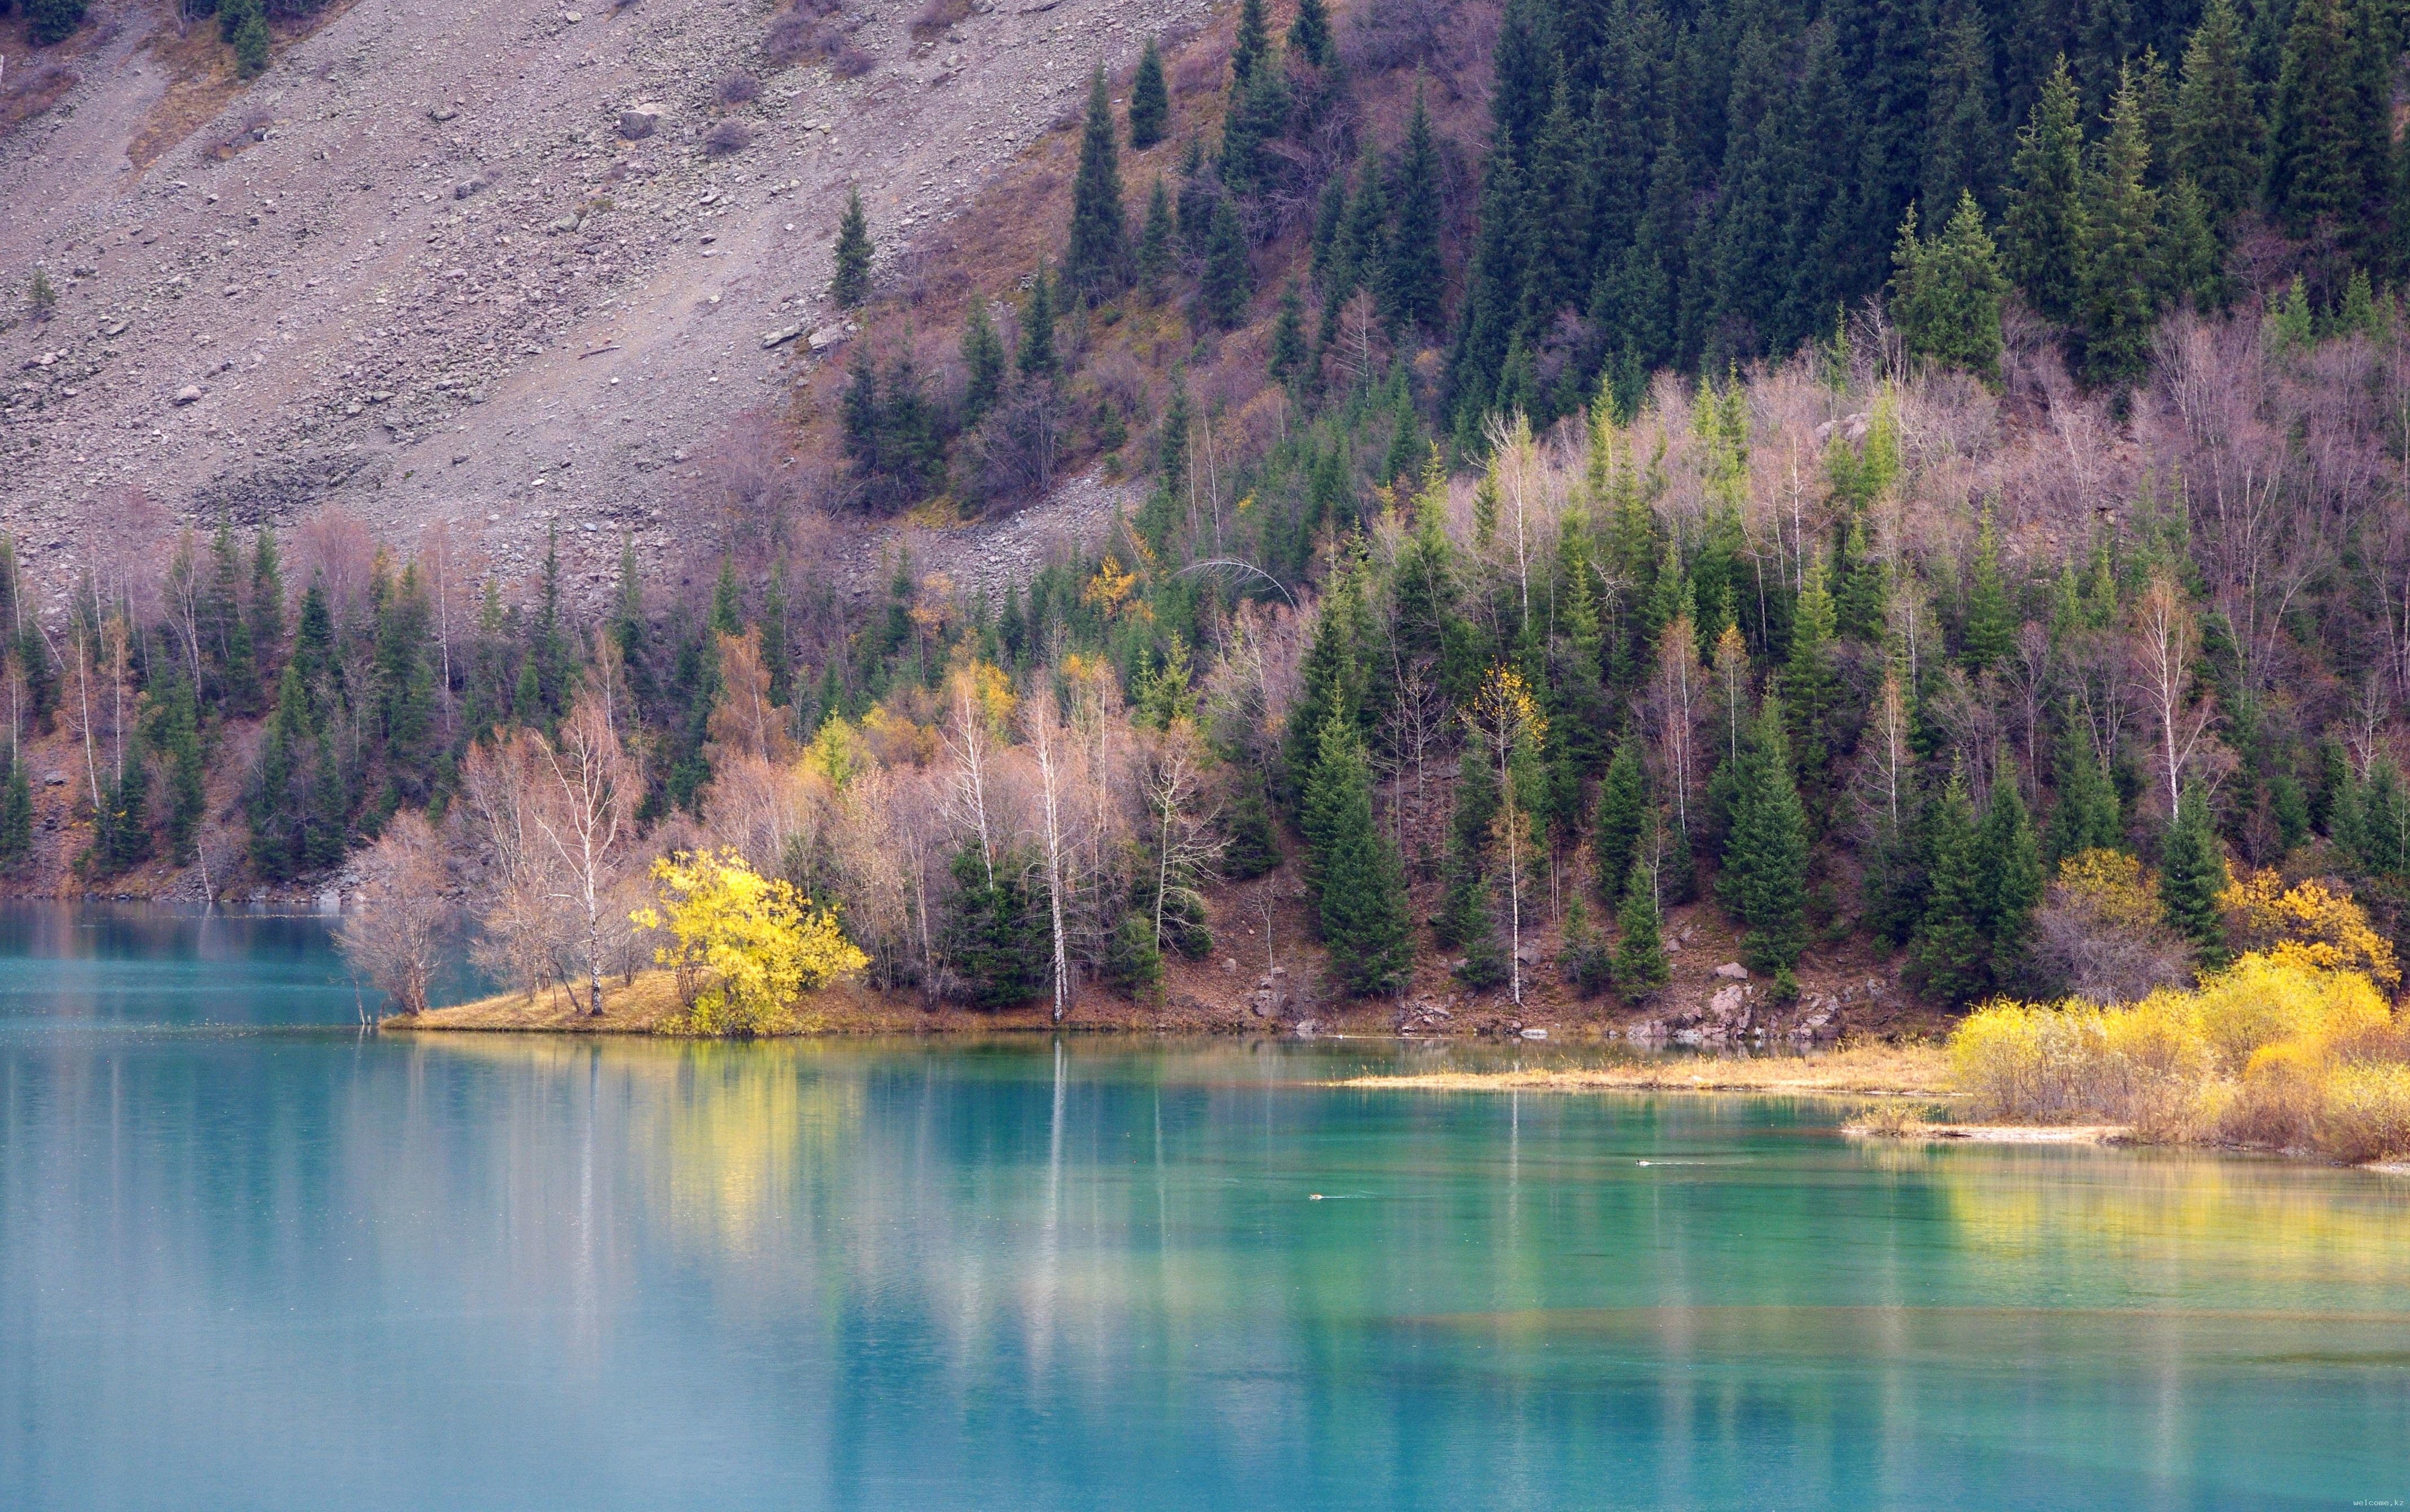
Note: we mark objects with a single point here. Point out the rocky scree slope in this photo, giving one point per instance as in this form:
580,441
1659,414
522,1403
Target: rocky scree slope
450,263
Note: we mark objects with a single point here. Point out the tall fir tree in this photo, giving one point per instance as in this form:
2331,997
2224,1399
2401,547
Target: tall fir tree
1947,292
1150,102
1228,279
2219,134
2119,273
1621,816
1359,882
2044,234
2192,877
1411,279
1308,35
1948,949
849,285
2085,816
2008,861
1096,264
1640,965
1251,46
1765,879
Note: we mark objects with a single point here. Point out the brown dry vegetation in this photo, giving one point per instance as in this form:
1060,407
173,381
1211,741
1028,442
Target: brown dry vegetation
1866,1068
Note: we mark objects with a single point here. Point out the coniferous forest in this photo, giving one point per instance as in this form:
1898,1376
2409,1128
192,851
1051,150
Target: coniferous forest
1922,488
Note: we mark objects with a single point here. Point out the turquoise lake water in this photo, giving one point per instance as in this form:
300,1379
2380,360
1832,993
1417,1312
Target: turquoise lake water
250,1258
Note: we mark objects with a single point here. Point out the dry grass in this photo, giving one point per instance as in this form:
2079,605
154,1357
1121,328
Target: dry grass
937,16
1867,1068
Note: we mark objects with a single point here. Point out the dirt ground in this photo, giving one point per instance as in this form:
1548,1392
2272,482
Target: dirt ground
419,269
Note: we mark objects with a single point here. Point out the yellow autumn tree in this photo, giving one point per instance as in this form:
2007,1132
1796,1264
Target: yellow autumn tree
2308,923
744,946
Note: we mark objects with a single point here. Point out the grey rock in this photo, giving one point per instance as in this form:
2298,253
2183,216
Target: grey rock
1733,971
189,394
638,124
783,334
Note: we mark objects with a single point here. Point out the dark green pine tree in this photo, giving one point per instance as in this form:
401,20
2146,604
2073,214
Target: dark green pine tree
2085,817
1150,103
1812,684
1358,883
2219,135
1287,356
1862,610
50,22
1412,278
1258,117
983,363
1991,618
2009,863
1252,44
1640,967
1156,244
858,421
1621,816
1765,880
1228,278
849,285
2044,234
179,739
16,815
1962,152
1947,292
249,40
2118,275
1037,358
2327,137
2192,875
998,939
1949,947
1309,36
1098,263
1361,249
267,607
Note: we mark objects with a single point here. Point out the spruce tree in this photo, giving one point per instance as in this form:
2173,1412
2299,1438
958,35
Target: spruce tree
1411,278
2219,135
2193,875
249,40
1249,46
50,22
2010,864
16,815
849,285
1949,946
1991,621
1640,967
983,363
1228,279
1156,248
2044,235
1258,116
1947,292
2085,817
1812,684
1358,883
1621,816
1096,265
1765,879
2118,274
997,942
1150,103
1963,130
1862,610
1037,358
1309,36
2325,134
267,607
1287,354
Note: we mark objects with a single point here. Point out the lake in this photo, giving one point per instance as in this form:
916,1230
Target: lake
250,1258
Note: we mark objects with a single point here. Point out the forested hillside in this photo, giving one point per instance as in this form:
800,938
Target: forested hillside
1923,491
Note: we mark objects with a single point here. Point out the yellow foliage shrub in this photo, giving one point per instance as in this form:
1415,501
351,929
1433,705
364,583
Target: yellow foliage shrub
2366,1112
2275,1051
2307,923
744,946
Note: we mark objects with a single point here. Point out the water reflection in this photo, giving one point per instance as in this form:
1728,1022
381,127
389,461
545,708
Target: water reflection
297,1270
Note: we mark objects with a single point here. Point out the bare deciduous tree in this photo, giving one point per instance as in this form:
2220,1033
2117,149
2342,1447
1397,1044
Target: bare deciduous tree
394,935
